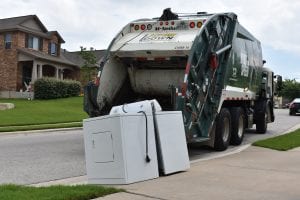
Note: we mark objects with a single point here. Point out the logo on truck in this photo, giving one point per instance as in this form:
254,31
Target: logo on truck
244,65
158,37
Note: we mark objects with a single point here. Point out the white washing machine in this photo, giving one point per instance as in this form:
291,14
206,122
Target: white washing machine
116,147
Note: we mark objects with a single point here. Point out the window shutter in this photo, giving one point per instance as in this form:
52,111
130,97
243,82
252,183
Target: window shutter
41,44
26,40
58,49
4,41
49,48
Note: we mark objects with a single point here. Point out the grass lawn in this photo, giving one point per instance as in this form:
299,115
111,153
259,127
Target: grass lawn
38,112
79,192
281,143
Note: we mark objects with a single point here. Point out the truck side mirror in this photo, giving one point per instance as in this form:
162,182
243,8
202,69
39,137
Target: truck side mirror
279,83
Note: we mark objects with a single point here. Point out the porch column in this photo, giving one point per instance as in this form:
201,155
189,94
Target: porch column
34,72
61,74
40,71
57,71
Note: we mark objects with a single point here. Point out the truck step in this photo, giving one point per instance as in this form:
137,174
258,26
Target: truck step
198,140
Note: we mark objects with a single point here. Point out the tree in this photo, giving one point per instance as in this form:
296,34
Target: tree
88,69
290,89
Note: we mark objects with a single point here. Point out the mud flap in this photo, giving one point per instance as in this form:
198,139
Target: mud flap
90,105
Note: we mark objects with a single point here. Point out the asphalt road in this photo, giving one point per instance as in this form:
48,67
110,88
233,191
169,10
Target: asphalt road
40,157
283,122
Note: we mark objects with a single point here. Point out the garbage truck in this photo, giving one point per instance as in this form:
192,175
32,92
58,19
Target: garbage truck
208,66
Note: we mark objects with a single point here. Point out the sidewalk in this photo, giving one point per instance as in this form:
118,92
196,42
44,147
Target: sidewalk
256,173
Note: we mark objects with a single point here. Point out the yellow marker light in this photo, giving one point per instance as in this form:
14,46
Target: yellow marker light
199,24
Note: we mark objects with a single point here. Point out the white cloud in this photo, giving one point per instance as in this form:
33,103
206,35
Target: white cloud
93,23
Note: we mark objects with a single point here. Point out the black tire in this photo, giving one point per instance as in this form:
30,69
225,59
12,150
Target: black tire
262,121
292,113
237,125
223,130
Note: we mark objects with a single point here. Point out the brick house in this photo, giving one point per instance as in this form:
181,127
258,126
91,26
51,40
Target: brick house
29,51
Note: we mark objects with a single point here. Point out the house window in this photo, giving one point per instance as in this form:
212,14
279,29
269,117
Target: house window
7,41
52,49
33,42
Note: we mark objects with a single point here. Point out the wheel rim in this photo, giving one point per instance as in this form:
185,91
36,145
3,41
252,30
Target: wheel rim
241,127
226,130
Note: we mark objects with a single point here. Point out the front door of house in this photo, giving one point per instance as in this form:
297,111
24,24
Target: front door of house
27,72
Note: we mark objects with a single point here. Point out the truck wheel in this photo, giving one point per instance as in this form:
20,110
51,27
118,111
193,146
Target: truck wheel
262,122
237,125
223,130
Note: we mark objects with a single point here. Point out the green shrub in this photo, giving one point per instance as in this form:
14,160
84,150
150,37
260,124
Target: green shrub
73,88
51,88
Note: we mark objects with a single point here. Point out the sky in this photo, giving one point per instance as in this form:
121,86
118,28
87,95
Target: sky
93,23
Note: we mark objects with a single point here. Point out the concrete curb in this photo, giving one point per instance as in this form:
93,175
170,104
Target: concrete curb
38,131
223,154
291,129
79,180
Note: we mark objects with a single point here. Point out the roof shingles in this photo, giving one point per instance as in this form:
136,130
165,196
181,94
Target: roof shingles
75,56
16,23
43,56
